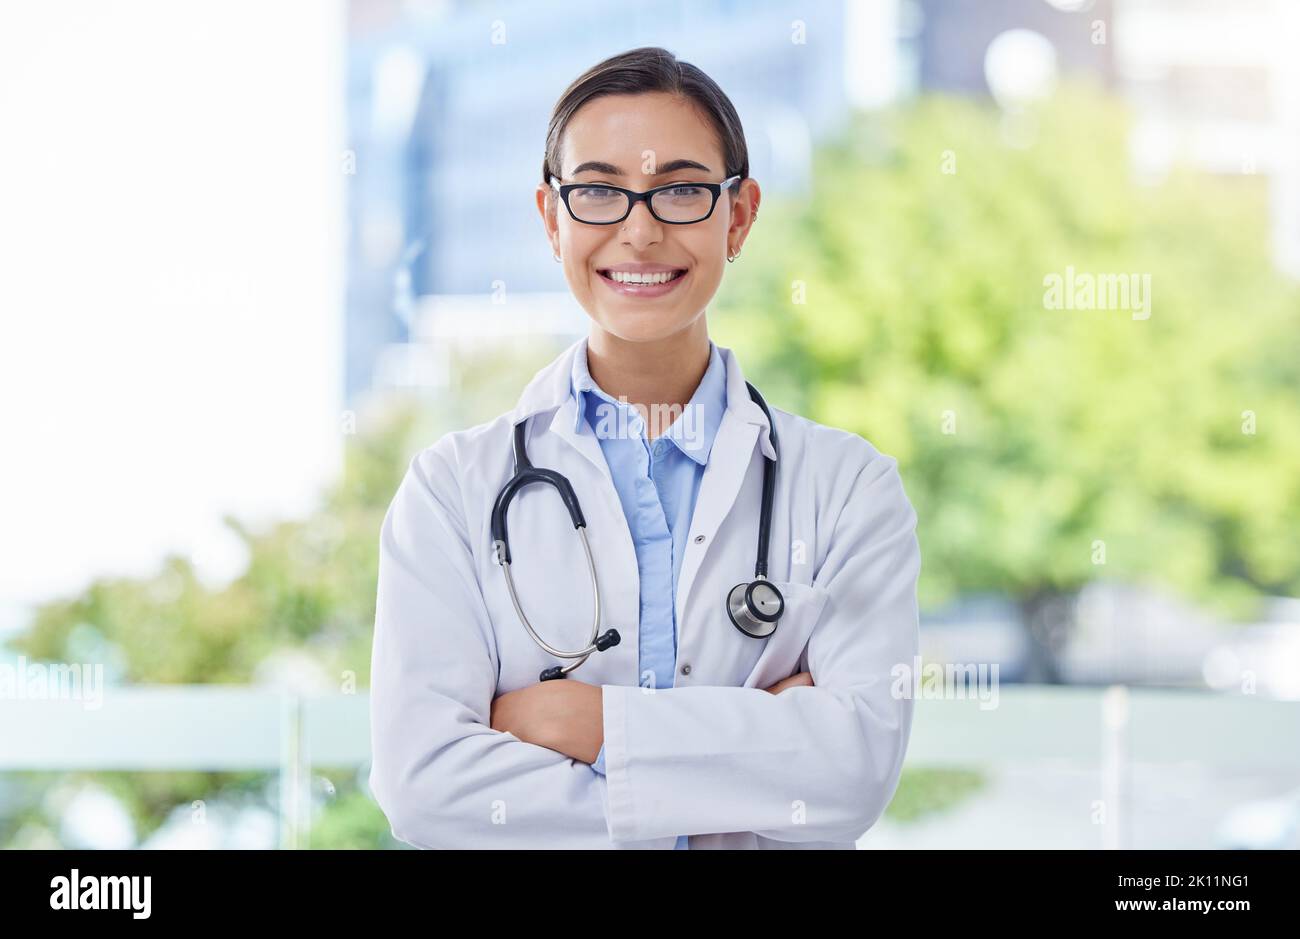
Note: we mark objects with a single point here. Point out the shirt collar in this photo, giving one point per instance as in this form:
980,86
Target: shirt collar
694,429
550,391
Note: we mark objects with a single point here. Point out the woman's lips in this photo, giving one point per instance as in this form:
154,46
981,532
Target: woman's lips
643,291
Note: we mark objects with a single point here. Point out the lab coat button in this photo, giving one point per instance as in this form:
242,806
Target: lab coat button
699,538
686,669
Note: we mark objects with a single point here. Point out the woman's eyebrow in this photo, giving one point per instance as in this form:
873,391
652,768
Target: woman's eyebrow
672,166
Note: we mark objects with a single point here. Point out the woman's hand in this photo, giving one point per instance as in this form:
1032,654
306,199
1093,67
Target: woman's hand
802,678
564,715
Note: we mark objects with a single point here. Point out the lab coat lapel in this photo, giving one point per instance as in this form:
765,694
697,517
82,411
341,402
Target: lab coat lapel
733,448
743,424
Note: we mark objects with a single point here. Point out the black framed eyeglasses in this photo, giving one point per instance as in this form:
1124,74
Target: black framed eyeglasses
674,204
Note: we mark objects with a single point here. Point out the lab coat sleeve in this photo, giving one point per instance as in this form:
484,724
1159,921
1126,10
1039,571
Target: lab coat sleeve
811,763
441,774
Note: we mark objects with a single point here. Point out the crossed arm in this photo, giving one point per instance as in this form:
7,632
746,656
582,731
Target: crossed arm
568,717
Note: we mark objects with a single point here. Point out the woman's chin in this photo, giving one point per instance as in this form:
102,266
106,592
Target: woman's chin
642,325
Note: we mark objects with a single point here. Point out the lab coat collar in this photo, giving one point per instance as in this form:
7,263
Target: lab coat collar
550,391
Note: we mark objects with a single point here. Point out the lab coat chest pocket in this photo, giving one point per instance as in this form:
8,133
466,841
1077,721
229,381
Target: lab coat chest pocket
784,648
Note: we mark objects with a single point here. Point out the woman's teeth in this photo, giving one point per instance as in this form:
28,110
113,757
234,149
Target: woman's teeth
625,277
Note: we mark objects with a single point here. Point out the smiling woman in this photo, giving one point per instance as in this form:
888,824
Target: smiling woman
773,724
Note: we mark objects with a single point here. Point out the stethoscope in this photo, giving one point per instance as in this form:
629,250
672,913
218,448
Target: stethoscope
754,607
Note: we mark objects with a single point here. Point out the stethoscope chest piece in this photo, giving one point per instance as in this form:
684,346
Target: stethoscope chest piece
755,607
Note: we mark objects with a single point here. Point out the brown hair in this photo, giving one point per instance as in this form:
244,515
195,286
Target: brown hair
650,69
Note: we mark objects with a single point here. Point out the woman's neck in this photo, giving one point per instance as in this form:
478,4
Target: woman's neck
657,378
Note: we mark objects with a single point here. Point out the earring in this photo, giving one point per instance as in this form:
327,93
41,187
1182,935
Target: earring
557,257
732,257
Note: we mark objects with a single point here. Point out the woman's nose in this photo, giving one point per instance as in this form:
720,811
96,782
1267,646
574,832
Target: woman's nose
640,227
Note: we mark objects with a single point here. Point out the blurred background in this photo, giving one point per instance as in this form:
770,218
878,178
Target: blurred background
255,256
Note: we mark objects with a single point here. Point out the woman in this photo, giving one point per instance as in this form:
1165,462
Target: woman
702,727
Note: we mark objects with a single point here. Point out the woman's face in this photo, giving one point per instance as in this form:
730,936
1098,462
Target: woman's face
640,142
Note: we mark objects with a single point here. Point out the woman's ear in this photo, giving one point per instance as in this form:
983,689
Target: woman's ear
744,210
546,201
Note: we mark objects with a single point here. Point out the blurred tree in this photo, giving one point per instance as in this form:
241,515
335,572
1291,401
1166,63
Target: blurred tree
906,299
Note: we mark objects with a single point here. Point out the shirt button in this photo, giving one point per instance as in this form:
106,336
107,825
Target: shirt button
686,669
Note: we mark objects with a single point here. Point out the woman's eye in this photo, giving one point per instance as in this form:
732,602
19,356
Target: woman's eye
595,193
685,192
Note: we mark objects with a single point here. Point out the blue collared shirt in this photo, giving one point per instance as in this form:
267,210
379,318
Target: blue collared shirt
657,484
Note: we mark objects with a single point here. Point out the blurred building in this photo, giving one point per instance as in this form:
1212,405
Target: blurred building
956,37
1214,84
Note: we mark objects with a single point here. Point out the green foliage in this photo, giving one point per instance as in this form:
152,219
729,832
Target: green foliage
34,802
923,792
352,820
925,293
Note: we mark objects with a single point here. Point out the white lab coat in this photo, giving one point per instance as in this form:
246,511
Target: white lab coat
714,756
